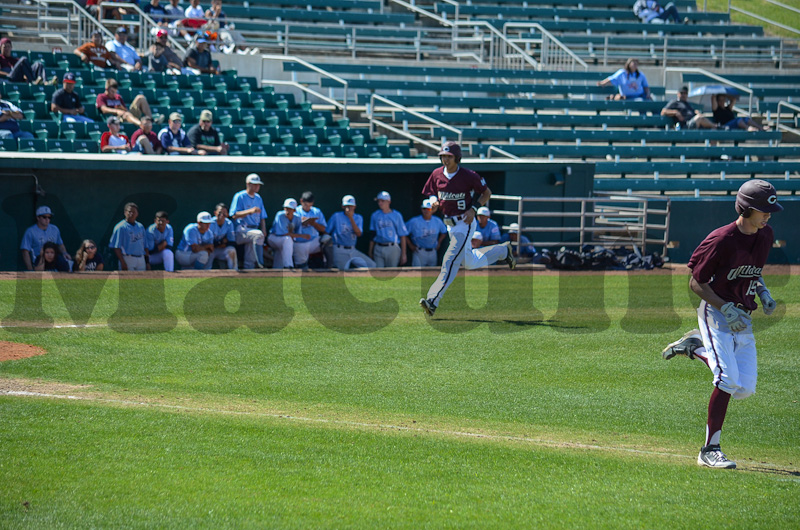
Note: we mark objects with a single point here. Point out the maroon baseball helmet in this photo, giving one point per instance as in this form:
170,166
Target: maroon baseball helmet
451,148
759,195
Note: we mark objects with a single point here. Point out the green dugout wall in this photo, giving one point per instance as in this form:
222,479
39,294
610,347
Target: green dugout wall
87,193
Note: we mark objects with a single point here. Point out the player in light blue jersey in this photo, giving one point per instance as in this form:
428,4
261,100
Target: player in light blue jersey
129,241
425,236
388,247
37,235
345,228
224,238
197,243
250,220
285,229
312,223
524,248
489,229
160,240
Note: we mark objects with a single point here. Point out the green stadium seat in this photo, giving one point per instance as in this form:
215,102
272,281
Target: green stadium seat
398,151
259,149
35,110
226,115
353,151
95,130
376,151
153,80
329,151
85,146
45,129
8,144
276,117
57,145
307,150
237,149
252,116
266,134
28,145
284,150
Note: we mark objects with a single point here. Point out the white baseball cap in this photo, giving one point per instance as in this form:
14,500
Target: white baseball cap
290,203
348,200
253,178
383,196
483,210
426,204
513,228
204,217
478,236
43,210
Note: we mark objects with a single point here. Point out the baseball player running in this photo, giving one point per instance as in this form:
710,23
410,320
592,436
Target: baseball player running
459,192
726,274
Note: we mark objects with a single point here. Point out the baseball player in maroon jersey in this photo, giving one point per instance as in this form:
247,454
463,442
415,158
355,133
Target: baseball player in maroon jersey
459,192
726,274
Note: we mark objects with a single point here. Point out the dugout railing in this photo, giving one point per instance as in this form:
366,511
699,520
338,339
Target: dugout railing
637,222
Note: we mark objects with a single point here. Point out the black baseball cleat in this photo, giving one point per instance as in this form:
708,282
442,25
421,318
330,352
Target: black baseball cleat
510,260
712,456
428,306
686,345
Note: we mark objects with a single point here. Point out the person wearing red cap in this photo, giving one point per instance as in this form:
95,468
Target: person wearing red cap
459,192
18,69
163,58
726,275
95,52
67,102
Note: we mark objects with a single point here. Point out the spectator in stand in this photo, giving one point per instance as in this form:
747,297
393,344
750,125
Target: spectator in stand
126,52
285,228
725,116
488,228
195,10
312,223
525,249
144,140
198,58
425,236
193,19
224,239
160,239
49,260
174,139
174,10
97,54
345,228
172,64
216,14
19,69
112,140
159,15
197,243
87,259
250,217
68,102
10,114
38,234
94,8
684,115
129,241
650,12
632,84
110,102
388,247
205,138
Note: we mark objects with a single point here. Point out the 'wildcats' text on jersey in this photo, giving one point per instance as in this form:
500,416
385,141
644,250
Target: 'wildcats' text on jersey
744,271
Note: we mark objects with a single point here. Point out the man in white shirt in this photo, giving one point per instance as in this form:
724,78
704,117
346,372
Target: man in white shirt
119,45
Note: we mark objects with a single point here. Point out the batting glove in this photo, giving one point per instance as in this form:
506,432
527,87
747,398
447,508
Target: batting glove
736,318
767,303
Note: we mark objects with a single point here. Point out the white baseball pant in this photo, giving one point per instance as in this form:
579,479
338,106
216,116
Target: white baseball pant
341,255
386,256
284,248
302,250
134,263
253,240
460,251
423,258
164,256
187,258
226,254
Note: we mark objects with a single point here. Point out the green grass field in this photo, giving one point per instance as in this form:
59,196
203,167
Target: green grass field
764,9
531,401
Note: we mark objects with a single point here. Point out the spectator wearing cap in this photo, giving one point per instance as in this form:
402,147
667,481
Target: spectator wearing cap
684,115
163,58
204,136
197,243
250,217
68,102
285,228
345,228
224,238
95,52
198,58
19,69
174,139
144,140
489,229
388,246
312,222
126,52
10,114
520,245
425,236
129,241
113,141
111,102
37,235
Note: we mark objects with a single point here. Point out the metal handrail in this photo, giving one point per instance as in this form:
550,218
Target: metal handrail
312,67
714,77
550,36
389,102
83,14
494,148
145,24
779,126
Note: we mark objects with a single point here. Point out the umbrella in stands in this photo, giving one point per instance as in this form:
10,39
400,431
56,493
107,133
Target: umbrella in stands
702,95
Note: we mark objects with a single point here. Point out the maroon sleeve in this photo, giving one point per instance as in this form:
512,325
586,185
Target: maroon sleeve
429,189
706,258
479,184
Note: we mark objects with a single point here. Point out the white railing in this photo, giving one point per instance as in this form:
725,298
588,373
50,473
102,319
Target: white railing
781,127
374,123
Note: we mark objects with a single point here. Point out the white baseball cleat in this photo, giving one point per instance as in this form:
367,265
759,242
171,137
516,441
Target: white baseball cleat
686,345
428,306
712,456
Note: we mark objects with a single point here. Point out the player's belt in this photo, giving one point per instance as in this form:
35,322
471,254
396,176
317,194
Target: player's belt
451,221
743,308
427,249
386,244
133,255
342,246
